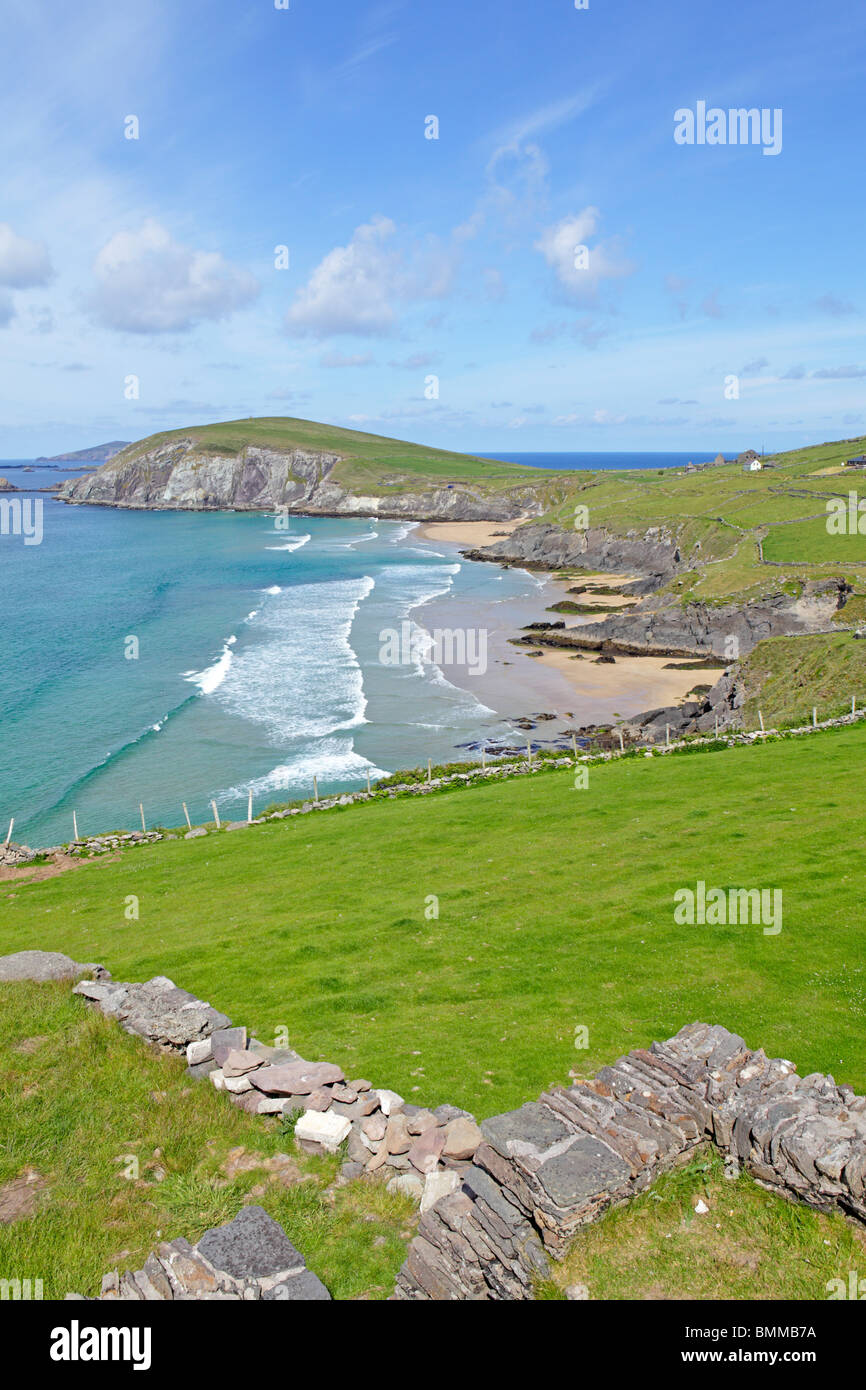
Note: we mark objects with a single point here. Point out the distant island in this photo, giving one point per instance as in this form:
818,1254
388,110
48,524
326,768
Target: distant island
100,453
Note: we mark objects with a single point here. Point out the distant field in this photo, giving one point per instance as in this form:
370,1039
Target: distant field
555,910
811,541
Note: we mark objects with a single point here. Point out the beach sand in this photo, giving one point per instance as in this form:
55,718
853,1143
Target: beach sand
572,688
633,683
470,534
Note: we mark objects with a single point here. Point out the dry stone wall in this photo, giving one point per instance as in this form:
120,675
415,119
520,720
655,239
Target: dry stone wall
250,1258
500,1200
418,1151
554,1165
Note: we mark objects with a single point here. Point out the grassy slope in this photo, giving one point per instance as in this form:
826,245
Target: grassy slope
80,1097
786,677
749,1244
727,511
556,909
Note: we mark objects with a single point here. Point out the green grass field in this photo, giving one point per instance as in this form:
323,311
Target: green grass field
787,677
748,1245
81,1103
555,910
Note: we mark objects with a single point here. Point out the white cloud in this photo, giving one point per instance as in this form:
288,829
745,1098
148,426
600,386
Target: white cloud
23,263
579,268
339,359
148,283
357,288
545,118
7,309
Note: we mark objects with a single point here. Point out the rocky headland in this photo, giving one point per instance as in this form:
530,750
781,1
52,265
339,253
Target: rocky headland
178,476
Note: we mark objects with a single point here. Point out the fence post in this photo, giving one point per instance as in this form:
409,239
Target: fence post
429,770
249,808
75,824
9,832
621,744
216,814
761,720
814,716
186,813
315,788
143,823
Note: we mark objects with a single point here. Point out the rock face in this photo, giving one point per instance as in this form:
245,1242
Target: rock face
654,554
6,486
554,1165
701,630
157,1010
46,965
178,476
250,1258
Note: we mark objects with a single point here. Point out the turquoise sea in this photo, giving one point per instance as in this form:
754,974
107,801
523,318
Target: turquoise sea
258,662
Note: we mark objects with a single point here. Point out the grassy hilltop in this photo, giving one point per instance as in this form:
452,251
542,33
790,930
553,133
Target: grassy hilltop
367,460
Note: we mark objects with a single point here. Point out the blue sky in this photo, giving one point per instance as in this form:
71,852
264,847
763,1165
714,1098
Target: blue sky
413,258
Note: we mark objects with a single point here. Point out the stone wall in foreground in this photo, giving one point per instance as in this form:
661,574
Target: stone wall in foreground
554,1165
420,1152
500,1201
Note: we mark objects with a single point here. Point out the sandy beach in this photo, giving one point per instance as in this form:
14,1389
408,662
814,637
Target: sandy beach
568,685
466,533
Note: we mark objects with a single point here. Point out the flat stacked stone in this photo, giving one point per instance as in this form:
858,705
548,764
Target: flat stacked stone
555,1164
249,1258
157,1010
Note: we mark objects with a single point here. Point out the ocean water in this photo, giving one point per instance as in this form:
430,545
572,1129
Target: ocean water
610,459
258,662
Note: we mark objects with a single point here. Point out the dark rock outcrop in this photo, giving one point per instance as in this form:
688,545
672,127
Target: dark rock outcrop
654,554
